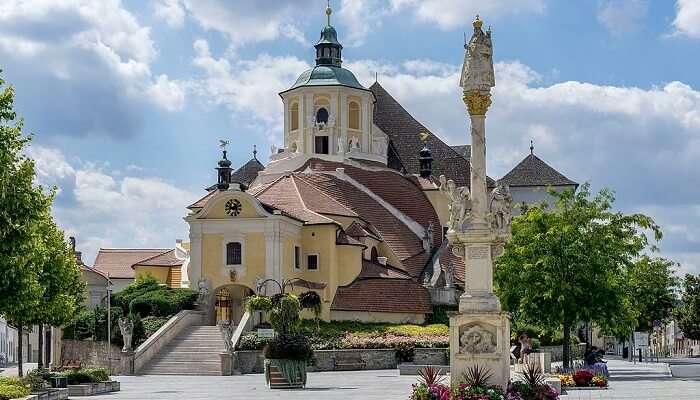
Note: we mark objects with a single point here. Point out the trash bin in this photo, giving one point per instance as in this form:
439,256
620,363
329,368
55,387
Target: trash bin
625,353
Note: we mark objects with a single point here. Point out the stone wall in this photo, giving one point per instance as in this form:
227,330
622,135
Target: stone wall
558,351
91,354
248,362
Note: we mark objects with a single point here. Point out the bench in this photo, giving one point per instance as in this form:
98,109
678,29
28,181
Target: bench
70,365
349,361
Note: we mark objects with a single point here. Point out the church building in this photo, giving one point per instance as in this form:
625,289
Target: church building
349,207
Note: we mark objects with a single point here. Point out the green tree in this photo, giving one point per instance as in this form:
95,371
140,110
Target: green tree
651,285
688,313
40,281
568,264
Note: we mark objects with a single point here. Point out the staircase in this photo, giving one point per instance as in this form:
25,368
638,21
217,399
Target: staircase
195,351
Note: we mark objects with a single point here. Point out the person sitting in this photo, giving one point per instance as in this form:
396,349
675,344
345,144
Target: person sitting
525,348
591,356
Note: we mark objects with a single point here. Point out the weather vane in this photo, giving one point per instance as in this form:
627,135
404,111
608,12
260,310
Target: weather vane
223,143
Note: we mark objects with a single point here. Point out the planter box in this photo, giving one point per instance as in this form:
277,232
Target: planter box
569,388
276,379
50,394
91,389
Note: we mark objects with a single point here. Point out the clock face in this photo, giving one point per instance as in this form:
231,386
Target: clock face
233,207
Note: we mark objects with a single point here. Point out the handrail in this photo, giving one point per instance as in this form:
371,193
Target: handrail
240,329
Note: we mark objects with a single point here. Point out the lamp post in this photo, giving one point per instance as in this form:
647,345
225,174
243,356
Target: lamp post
109,324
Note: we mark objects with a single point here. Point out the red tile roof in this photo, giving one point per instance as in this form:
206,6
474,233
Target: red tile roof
383,295
285,195
448,258
117,262
166,259
371,269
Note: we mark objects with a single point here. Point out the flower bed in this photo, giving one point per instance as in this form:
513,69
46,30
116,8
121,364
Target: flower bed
583,379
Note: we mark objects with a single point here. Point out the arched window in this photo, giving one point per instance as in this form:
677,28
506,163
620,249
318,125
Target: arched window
233,253
294,117
375,254
354,115
322,115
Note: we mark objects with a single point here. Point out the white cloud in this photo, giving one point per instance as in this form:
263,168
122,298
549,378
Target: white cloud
104,210
170,11
66,38
622,16
247,87
687,20
245,22
168,94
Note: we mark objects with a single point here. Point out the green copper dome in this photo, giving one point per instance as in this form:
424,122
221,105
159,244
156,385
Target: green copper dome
327,75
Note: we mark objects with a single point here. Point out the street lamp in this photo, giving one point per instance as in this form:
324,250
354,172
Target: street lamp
109,324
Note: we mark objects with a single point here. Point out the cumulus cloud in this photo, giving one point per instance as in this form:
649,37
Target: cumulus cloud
170,11
687,20
106,210
247,87
84,49
245,22
622,16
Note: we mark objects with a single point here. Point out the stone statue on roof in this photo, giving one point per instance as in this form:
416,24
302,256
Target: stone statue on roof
458,197
477,71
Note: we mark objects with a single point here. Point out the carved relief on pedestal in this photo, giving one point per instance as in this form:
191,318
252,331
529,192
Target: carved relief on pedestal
458,251
477,338
496,250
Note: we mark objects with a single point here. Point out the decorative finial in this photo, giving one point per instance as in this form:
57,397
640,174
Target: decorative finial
477,22
223,143
376,76
329,11
532,146
255,152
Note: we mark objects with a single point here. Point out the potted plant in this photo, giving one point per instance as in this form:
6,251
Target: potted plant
287,352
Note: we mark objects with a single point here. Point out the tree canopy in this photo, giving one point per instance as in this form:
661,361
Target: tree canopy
570,264
688,314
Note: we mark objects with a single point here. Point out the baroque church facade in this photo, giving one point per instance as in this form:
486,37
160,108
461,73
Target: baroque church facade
349,207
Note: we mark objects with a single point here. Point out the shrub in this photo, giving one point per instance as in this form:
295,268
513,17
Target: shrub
13,388
405,351
421,391
289,347
37,379
430,376
92,325
156,303
152,324
258,303
251,341
284,315
311,300
85,375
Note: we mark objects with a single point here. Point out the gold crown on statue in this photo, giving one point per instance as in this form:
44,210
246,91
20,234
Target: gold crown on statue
477,22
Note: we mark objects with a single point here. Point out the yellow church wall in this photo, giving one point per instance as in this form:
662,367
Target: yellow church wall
213,263
349,264
160,273
218,211
440,204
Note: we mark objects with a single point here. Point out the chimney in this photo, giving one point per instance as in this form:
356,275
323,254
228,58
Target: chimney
382,260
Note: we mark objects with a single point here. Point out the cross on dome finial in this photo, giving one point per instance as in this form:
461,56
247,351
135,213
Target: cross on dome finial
329,11
532,146
255,152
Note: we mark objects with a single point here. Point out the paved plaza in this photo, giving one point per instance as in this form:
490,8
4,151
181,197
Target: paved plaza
630,381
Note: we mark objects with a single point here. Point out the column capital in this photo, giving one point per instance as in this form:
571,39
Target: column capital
477,101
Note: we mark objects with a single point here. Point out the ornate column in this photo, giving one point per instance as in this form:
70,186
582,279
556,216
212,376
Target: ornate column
480,331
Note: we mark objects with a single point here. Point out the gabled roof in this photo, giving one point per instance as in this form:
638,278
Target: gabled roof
286,196
532,171
403,130
117,262
247,173
166,259
465,150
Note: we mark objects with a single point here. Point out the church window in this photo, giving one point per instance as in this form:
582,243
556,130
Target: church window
234,253
321,144
326,52
294,116
297,257
322,115
354,115
312,262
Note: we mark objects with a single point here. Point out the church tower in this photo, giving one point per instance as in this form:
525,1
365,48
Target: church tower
328,113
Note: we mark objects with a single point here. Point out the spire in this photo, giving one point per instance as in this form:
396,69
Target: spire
532,147
255,152
328,49
224,169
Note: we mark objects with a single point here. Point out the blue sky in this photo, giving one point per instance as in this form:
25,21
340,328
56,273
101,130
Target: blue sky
127,99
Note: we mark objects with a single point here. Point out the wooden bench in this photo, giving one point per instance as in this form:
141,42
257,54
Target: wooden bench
349,361
70,365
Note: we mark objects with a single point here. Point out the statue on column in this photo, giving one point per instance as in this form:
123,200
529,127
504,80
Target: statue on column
449,276
500,207
457,198
227,329
126,327
477,71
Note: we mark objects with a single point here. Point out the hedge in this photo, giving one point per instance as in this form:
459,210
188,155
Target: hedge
13,388
85,375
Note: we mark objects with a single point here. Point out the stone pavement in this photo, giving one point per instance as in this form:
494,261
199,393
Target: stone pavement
630,381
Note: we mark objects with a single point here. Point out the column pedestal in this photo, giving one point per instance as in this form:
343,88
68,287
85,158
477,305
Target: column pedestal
226,363
481,339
